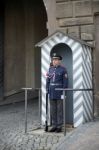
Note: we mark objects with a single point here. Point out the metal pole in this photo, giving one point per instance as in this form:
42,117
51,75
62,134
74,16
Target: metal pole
64,112
93,83
40,105
25,110
26,91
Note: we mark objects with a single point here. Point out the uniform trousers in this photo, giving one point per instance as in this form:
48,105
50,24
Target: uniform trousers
56,111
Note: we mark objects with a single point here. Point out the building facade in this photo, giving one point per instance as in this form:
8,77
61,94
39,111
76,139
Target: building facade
24,23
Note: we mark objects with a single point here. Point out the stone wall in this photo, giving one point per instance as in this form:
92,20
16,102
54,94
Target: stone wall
75,17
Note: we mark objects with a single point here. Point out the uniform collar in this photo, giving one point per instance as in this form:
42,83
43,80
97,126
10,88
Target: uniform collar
56,66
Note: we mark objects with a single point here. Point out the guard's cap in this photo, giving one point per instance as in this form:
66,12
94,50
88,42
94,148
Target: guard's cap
56,56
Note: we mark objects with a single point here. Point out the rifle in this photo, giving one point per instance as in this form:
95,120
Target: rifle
46,121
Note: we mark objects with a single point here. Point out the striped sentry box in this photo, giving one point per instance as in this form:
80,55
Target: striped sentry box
82,75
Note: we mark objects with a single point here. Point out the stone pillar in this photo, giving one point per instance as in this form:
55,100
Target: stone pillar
50,6
97,64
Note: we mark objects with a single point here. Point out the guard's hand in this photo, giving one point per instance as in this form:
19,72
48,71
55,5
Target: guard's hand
62,96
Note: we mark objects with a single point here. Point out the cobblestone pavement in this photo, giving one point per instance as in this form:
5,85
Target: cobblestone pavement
12,136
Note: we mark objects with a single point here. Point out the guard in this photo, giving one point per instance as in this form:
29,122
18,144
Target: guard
56,78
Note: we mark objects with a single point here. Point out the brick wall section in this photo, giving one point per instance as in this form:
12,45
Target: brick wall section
75,17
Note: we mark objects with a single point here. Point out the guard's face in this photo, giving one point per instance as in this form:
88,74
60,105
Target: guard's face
56,62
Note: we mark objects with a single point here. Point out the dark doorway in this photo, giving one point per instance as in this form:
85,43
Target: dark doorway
66,52
25,25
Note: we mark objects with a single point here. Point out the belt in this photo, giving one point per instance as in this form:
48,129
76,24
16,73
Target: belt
55,84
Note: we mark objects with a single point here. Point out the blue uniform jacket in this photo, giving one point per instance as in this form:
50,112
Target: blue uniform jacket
56,78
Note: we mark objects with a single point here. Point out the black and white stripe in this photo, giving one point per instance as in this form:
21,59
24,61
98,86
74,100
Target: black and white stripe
82,76
87,83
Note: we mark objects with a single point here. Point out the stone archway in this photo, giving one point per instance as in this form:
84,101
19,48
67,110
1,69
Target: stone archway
51,13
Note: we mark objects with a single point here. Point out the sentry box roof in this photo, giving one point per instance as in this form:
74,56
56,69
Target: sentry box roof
60,35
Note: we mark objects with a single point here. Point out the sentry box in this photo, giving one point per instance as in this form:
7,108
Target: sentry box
77,58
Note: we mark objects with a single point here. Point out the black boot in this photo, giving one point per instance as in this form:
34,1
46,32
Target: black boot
53,129
59,129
